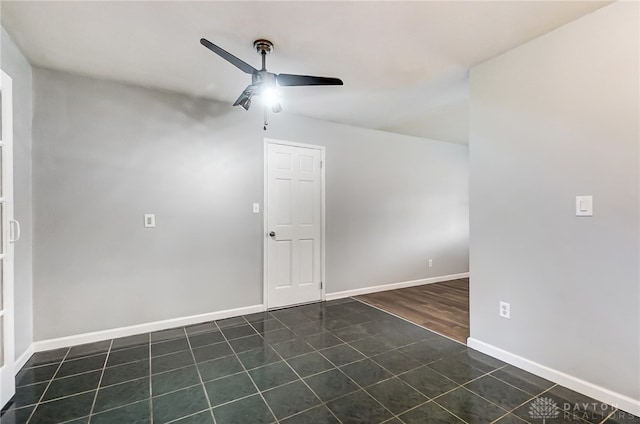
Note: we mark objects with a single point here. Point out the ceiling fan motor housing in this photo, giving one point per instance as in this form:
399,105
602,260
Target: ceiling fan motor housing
263,77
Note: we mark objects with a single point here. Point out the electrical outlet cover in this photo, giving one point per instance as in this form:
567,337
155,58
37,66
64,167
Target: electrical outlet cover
505,310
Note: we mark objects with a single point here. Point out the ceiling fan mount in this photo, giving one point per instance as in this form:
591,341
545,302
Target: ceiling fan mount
264,83
263,46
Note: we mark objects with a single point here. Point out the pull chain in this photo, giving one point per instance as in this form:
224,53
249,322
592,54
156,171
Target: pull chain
265,119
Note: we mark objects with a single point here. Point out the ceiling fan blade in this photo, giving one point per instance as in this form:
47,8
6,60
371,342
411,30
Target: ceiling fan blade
289,80
238,63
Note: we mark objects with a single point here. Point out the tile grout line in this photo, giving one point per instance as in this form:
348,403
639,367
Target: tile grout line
190,415
61,378
394,416
245,369
365,390
462,386
516,387
393,375
336,367
510,412
113,408
73,419
473,393
150,379
84,391
123,363
512,385
322,402
204,389
604,420
397,376
361,387
95,397
58,398
48,385
433,399
237,399
175,390
459,385
451,412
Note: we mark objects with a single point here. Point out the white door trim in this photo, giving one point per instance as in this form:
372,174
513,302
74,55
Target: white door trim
7,374
265,239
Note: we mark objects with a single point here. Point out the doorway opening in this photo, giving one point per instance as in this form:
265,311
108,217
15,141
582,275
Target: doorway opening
440,307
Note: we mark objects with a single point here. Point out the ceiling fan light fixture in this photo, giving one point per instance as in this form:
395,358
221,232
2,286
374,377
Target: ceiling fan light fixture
244,100
276,107
245,103
270,96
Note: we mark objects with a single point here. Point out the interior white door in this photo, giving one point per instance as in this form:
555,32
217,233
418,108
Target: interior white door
7,352
293,225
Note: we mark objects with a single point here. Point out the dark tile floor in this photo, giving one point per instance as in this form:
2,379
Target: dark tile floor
334,362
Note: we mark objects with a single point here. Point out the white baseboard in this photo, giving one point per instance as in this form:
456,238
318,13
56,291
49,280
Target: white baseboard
22,359
602,394
97,336
394,286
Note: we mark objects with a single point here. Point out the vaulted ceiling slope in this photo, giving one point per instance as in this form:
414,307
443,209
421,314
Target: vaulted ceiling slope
404,64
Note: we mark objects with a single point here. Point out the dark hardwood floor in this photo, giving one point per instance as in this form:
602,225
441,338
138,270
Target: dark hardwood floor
441,307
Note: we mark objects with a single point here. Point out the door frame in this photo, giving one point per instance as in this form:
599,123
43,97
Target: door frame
8,344
265,238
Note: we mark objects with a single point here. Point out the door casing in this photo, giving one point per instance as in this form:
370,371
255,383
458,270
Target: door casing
7,374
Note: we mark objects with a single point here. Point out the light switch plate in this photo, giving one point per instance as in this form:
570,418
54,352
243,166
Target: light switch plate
584,205
149,220
256,208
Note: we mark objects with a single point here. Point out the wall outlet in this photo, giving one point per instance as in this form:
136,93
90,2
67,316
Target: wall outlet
430,263
505,310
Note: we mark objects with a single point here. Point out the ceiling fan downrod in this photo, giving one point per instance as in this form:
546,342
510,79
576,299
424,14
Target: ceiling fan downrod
263,47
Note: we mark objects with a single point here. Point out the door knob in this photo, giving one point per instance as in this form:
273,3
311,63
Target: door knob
272,234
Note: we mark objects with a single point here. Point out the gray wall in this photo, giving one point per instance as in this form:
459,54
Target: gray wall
106,153
393,202
552,119
19,69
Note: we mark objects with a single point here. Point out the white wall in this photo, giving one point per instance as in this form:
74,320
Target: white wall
552,119
106,153
19,69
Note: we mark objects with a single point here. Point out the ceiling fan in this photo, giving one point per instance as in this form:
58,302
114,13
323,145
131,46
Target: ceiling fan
263,82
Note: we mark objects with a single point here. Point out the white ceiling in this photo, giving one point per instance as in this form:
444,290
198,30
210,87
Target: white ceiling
404,64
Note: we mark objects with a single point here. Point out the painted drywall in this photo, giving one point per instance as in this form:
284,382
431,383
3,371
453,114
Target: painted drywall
106,153
550,120
393,202
19,69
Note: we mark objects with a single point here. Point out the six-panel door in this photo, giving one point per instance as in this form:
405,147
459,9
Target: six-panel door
294,225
